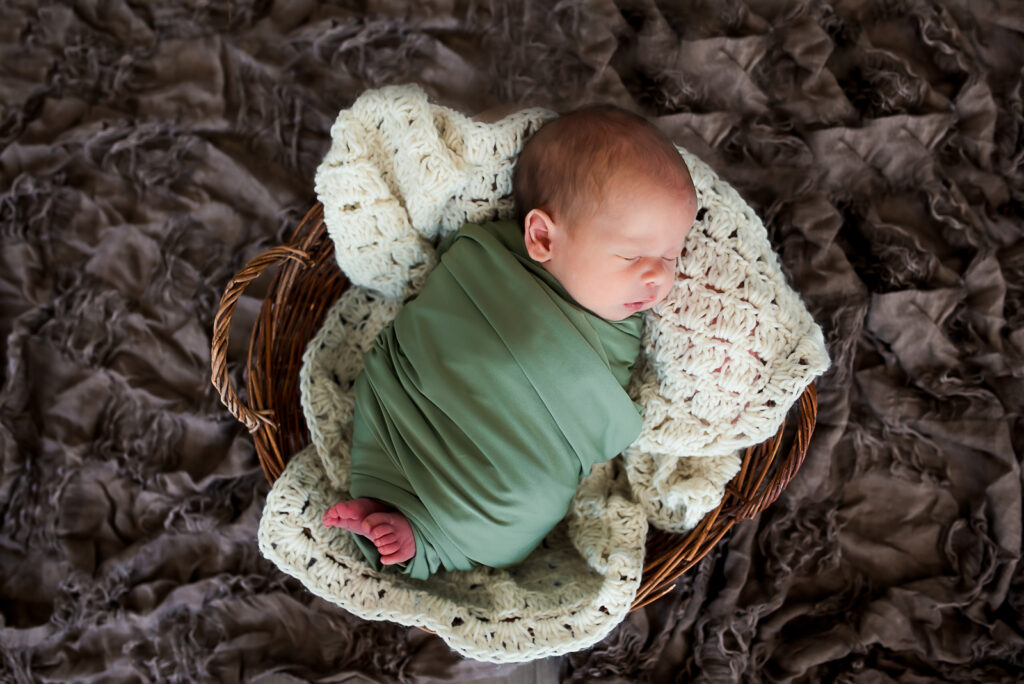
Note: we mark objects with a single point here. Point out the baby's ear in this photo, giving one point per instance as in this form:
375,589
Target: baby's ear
538,229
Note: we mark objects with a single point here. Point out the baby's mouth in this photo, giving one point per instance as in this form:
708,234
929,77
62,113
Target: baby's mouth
636,306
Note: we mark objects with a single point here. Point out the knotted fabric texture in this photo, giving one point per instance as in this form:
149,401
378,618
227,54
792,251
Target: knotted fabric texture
723,358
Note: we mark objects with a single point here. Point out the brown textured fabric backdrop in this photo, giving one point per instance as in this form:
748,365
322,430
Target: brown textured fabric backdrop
147,150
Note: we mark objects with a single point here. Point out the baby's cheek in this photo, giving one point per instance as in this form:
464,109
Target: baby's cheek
666,286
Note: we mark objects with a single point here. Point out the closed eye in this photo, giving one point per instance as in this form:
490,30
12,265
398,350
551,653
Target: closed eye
633,260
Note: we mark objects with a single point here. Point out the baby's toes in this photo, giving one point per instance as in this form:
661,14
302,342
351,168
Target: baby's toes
388,548
375,532
331,517
386,538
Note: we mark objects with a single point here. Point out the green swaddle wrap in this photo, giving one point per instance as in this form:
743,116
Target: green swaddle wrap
485,400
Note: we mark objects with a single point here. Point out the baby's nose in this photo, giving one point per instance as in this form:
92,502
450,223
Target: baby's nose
657,272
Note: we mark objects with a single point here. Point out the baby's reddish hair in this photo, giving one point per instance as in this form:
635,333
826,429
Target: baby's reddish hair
568,165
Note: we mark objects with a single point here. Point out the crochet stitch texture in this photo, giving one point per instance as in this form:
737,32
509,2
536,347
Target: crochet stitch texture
724,357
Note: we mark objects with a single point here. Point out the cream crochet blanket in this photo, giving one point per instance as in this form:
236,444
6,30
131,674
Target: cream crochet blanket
724,357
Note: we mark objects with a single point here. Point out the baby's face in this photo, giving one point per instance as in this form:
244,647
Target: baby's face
623,260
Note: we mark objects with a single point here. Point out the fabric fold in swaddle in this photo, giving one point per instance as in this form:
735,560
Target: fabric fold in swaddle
484,402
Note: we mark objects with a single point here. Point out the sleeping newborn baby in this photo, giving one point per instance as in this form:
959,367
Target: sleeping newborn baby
496,388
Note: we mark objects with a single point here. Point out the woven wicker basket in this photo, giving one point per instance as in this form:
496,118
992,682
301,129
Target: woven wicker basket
305,288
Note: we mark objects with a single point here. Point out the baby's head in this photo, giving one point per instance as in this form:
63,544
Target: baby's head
605,203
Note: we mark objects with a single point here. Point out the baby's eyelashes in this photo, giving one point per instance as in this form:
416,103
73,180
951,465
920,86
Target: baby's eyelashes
635,259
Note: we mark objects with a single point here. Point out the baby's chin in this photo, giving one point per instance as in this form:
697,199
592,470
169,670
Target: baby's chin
609,312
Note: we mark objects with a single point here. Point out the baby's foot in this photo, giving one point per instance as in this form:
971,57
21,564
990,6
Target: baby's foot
349,515
392,535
